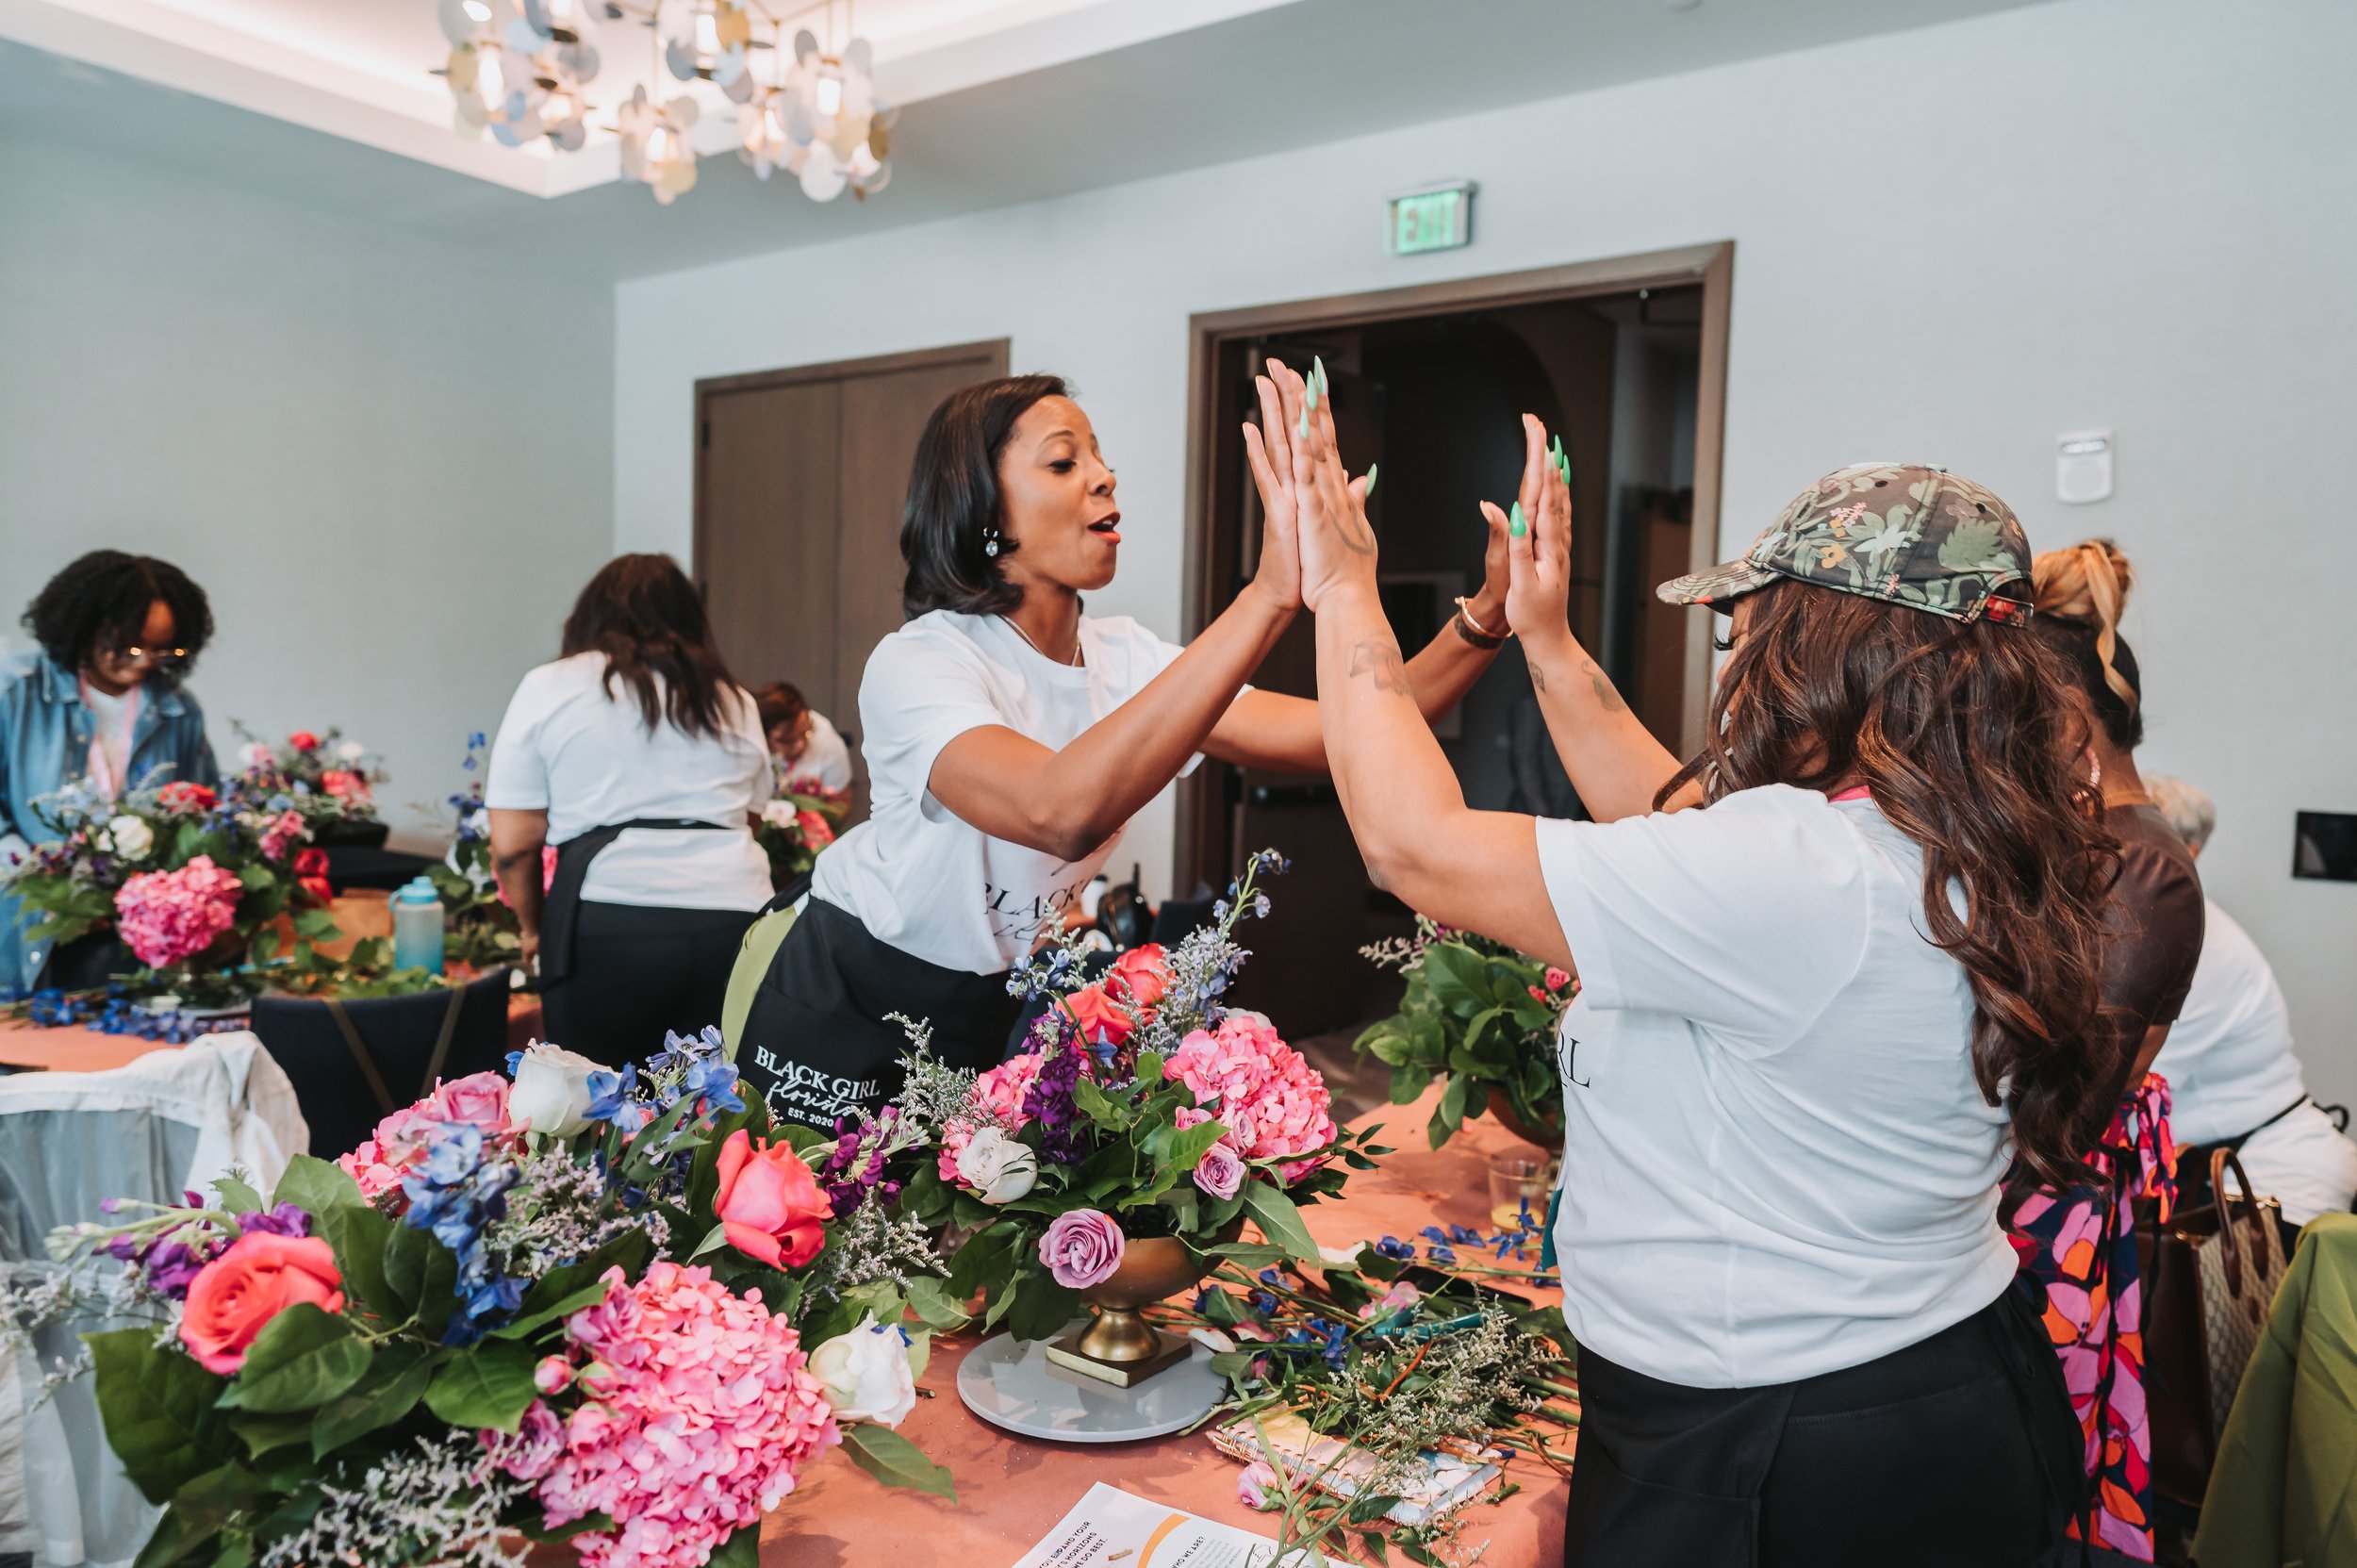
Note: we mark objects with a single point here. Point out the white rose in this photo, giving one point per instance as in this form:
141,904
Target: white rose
131,837
779,813
552,1090
352,750
1001,1168
259,755
865,1373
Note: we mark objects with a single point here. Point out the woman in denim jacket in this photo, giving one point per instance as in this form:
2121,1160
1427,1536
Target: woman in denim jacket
100,702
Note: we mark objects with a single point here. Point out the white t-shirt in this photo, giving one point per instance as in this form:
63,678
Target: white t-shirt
2228,1058
586,758
919,877
111,719
1776,1162
825,758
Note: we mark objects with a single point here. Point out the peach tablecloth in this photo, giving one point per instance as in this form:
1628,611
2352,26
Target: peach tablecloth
1012,1490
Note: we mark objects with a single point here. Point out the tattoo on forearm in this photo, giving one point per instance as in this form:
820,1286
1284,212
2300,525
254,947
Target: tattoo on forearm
1382,883
515,862
1539,678
1378,661
1357,535
1609,699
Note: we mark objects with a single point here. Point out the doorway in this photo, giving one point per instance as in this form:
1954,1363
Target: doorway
799,479
1625,360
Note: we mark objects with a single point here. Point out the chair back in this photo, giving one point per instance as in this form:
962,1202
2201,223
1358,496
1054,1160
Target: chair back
356,1062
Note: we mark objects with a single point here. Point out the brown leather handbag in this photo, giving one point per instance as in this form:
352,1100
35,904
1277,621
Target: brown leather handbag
2209,1279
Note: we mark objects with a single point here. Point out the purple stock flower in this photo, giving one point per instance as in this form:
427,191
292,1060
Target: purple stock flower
1049,1102
283,1220
173,1267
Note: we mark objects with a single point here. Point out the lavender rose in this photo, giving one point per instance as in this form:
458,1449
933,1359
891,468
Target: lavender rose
1220,1172
1082,1249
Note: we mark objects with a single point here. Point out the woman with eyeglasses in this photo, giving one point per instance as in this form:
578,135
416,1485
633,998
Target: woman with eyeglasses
99,703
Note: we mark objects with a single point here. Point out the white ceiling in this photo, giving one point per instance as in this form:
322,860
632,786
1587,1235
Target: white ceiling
331,103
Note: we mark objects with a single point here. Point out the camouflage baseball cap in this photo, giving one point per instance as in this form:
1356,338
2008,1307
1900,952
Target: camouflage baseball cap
1900,532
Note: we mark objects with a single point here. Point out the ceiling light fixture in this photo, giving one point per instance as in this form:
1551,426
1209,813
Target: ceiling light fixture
518,69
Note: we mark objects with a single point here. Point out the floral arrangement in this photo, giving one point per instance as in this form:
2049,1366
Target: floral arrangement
1142,1108
323,777
1377,1393
564,1304
479,931
193,882
794,827
1480,1017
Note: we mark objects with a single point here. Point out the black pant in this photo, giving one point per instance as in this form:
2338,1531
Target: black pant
1959,1451
637,972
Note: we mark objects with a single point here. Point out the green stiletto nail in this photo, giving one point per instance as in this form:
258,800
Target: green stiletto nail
1311,401
1370,489
1317,373
1302,429
1514,523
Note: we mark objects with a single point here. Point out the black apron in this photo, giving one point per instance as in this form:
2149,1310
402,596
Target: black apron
817,1042
560,909
1918,1457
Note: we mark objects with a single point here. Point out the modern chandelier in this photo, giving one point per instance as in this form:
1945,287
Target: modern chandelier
518,69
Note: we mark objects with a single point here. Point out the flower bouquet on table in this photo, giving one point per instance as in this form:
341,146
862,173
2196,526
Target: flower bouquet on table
1480,1017
582,1305
193,882
327,779
1374,1395
478,929
1114,1162
800,821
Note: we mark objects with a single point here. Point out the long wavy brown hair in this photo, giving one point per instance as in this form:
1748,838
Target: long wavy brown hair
1963,734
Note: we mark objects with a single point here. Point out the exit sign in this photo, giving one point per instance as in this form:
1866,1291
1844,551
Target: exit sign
1437,219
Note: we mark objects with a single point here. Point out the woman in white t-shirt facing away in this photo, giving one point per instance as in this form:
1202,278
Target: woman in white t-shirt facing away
639,758
1821,1007
1010,739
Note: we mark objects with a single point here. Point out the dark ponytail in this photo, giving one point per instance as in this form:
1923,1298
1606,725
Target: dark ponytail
953,507
643,614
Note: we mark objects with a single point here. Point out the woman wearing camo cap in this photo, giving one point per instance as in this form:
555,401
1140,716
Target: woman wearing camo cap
1820,1014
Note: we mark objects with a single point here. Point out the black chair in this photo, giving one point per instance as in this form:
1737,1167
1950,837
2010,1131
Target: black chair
354,1062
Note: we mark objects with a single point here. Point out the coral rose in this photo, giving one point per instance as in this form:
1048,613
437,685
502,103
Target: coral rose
304,740
769,1204
1141,976
234,1297
1102,1020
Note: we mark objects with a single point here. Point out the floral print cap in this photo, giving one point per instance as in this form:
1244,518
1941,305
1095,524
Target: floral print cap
1900,531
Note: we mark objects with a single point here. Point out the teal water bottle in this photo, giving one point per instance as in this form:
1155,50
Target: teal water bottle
418,927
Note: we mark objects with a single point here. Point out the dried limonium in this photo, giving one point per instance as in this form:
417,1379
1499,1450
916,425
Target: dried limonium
558,1212
437,1502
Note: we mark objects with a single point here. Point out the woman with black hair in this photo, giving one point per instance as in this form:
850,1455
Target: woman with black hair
642,762
1010,739
99,703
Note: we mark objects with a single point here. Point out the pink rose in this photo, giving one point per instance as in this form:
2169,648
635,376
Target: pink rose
552,1375
1141,976
1082,1248
769,1204
479,1100
234,1297
533,1452
1256,1485
1220,1172
1558,979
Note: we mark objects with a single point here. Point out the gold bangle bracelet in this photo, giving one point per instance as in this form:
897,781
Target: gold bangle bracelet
1483,636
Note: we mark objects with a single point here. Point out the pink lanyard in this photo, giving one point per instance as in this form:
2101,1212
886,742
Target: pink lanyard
102,772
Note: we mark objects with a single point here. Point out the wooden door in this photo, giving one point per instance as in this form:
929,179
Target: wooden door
799,479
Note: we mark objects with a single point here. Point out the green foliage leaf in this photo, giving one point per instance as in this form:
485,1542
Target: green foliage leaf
161,1412
932,1302
488,1384
895,1461
1042,1307
1278,1220
421,1276
317,1187
265,1434
740,1550
564,1291
235,1196
390,1390
1453,974
984,1263
301,1360
358,1234
316,925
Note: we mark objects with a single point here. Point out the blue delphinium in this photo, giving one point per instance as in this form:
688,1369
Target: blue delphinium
455,1193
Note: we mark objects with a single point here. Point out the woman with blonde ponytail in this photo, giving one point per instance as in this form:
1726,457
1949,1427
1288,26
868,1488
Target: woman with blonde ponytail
2154,919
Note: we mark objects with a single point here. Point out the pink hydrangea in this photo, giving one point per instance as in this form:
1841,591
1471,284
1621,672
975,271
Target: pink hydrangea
699,1420
280,838
1273,1102
998,1101
168,917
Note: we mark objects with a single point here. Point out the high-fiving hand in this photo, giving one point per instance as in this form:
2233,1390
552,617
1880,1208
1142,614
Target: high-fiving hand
1296,455
1538,555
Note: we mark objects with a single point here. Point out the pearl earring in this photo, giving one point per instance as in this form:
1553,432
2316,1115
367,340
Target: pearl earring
990,545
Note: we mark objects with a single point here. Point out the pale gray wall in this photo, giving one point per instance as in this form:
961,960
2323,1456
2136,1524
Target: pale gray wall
386,461
1952,245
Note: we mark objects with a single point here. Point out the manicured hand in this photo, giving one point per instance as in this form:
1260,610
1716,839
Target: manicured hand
1337,543
1270,455
1537,598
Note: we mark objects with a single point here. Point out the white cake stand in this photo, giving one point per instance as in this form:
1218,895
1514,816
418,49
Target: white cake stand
1009,1383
